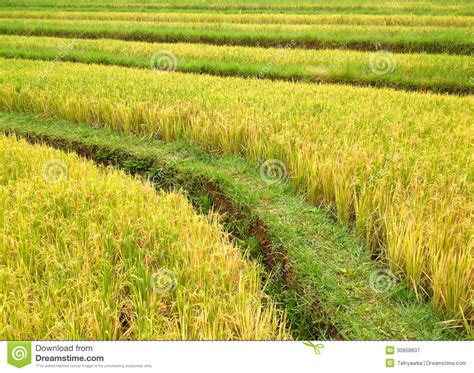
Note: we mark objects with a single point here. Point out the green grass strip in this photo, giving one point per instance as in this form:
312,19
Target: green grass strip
437,73
319,271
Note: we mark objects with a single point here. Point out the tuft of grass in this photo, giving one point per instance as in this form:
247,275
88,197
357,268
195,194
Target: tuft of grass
90,253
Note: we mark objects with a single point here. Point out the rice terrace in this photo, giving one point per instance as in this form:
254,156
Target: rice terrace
236,170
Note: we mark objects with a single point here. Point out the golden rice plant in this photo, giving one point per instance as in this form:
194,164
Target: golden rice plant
398,164
91,253
365,32
414,70
194,17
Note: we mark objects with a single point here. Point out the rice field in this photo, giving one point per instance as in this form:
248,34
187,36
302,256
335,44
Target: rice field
384,147
76,270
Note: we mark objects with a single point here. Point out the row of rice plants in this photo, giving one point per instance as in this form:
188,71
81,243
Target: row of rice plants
432,39
441,73
265,18
461,7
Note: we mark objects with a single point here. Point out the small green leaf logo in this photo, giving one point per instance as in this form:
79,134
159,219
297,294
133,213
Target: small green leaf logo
389,350
19,353
316,346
